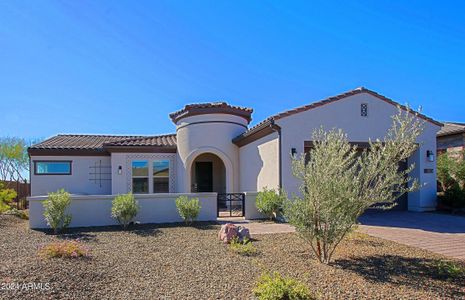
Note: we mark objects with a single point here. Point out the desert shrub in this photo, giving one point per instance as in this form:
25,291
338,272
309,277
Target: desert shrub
22,214
276,287
453,197
6,196
55,210
449,269
188,209
270,202
244,248
451,177
65,249
124,208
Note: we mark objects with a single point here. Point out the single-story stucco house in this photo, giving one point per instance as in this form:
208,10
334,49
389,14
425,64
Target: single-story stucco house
213,155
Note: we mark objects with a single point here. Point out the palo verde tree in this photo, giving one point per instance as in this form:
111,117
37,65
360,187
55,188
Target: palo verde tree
14,161
339,182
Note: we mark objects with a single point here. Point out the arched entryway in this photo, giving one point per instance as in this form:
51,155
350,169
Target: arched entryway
208,174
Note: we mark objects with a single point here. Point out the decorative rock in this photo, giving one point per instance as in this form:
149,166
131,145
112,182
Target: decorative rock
243,233
227,232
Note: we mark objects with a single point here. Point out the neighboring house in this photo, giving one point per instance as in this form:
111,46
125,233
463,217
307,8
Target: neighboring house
451,138
214,150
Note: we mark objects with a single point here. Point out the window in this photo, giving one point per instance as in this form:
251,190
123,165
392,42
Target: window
140,177
161,176
364,110
52,167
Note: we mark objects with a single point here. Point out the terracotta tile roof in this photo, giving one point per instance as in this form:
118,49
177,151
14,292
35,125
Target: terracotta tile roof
99,143
270,120
209,108
451,128
167,140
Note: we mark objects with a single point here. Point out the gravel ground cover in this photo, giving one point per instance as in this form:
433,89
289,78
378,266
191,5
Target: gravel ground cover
177,262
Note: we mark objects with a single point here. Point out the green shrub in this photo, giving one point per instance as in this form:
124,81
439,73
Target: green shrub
276,287
188,209
270,203
22,214
65,249
6,196
55,210
124,209
451,177
245,248
453,197
449,269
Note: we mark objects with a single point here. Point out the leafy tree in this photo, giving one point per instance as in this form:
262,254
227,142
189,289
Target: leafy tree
270,202
14,160
124,209
339,182
55,210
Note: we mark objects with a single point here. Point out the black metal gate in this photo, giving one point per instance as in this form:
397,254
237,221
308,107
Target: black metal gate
231,205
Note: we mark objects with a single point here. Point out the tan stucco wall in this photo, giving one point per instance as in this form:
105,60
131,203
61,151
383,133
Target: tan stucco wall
259,164
78,182
345,114
208,134
95,210
122,183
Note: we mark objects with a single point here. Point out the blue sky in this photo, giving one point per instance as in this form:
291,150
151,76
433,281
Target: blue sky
120,67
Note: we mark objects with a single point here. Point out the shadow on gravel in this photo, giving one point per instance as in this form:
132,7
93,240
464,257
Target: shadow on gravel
85,237
141,229
145,231
399,270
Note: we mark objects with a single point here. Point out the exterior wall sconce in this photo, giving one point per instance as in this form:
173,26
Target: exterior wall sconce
120,170
430,155
293,152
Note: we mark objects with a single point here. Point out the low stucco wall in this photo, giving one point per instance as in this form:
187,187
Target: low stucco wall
251,211
95,210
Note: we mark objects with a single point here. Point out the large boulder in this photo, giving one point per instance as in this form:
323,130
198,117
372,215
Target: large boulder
230,231
227,232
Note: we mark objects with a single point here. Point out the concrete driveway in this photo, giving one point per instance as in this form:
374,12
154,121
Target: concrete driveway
443,234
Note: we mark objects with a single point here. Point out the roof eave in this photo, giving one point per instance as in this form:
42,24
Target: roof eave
66,152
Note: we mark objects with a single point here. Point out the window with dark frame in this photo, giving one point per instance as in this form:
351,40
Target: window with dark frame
161,176
140,177
364,110
52,167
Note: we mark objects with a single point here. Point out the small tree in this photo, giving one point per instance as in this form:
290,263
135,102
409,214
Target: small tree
55,210
188,209
270,202
338,182
14,160
124,209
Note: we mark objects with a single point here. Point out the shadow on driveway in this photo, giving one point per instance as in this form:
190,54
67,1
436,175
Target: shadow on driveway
423,221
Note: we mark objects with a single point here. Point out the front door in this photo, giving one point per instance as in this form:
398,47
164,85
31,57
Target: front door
204,176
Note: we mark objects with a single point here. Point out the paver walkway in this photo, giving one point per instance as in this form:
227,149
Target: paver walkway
443,234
